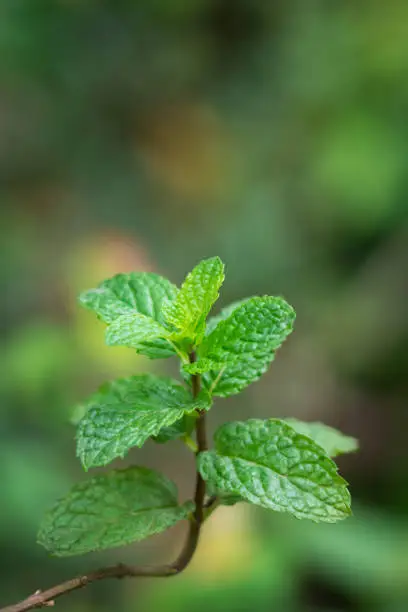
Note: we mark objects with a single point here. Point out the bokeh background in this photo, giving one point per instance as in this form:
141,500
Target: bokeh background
145,135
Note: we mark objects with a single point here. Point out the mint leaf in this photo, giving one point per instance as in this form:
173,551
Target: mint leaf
201,366
156,349
225,499
244,344
223,314
111,510
331,440
111,387
127,412
134,293
188,312
179,429
132,330
269,464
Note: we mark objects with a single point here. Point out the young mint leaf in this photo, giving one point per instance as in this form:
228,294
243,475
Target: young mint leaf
132,330
269,464
129,411
201,366
223,314
188,312
229,499
134,293
156,349
179,429
111,510
331,440
141,292
244,343
203,400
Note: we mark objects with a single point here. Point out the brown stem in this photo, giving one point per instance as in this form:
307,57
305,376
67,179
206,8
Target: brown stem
46,598
195,526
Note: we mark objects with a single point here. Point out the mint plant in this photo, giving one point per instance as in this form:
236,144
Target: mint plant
282,465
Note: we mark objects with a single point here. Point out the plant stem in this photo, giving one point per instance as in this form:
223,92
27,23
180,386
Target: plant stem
195,526
46,598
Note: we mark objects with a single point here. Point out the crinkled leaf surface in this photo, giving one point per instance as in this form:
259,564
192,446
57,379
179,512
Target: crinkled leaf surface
188,312
113,509
244,343
127,412
223,314
201,366
132,330
269,464
127,294
141,292
333,441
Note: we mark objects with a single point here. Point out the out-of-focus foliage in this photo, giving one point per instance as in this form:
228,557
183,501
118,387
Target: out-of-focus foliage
144,134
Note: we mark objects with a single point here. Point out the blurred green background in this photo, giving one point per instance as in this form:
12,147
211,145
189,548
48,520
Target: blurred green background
144,135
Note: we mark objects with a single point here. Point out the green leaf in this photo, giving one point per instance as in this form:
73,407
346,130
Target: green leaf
188,312
79,410
244,344
179,429
134,293
204,400
132,330
269,464
331,440
156,349
201,366
111,510
129,411
225,499
229,500
223,314
77,413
